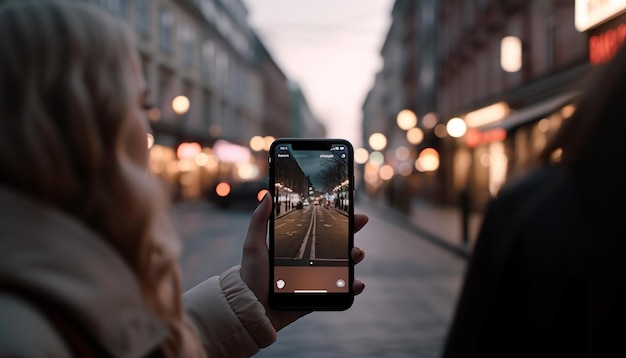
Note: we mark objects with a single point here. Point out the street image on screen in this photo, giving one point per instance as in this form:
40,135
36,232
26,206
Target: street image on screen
311,227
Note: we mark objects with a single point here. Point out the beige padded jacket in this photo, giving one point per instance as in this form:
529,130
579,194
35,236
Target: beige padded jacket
50,257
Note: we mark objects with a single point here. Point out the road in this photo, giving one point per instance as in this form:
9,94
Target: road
411,287
311,235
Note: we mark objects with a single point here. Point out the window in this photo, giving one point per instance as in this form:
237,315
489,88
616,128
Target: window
118,8
207,56
186,39
143,17
550,40
166,29
206,110
222,69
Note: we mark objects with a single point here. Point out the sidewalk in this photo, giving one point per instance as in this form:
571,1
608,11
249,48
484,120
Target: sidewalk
438,224
445,222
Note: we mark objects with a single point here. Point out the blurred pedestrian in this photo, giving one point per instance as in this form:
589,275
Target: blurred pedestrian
89,256
548,276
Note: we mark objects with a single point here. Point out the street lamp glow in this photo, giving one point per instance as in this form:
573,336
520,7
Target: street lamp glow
402,153
180,105
257,143
361,155
440,130
201,159
386,172
456,127
430,120
376,159
268,142
377,141
405,169
406,119
188,150
428,160
415,135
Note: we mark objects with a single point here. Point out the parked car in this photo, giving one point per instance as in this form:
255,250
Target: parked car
239,194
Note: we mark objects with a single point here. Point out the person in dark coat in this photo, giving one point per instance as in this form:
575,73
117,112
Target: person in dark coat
547,277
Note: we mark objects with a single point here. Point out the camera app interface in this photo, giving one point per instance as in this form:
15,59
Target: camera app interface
311,226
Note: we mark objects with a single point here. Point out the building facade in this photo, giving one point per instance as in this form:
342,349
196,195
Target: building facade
507,71
214,87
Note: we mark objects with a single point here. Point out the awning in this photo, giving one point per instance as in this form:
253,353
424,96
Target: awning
534,111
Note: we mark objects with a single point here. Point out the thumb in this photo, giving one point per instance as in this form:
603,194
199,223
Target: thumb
255,258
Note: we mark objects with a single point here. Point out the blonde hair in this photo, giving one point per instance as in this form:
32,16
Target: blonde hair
65,72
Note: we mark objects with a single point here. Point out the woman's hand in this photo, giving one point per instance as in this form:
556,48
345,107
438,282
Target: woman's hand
255,262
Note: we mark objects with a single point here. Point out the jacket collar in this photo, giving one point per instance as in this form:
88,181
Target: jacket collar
52,255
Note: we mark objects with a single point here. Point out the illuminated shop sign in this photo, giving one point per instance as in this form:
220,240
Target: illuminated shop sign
590,13
602,46
604,22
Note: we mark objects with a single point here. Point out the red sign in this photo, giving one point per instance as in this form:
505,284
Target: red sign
603,46
475,137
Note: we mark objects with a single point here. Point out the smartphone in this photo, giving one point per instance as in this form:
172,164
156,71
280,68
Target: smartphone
311,229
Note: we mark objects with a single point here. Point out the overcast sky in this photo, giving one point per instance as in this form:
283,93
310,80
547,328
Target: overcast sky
331,48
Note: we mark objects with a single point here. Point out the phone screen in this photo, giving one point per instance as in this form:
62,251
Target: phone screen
311,229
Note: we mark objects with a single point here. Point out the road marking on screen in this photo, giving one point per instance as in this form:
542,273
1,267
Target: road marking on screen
306,237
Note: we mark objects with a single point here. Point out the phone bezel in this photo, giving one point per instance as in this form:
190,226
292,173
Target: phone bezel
323,301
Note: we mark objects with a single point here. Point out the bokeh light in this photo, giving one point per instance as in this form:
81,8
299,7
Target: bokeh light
361,155
257,143
377,141
428,160
377,158
456,127
386,172
180,104
406,119
415,135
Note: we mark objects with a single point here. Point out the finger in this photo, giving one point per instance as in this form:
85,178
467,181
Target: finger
257,229
359,221
358,286
357,254
255,255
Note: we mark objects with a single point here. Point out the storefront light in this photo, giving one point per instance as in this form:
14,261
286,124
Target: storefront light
456,127
511,53
487,115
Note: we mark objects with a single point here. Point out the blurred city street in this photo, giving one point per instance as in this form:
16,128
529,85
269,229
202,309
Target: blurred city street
411,283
